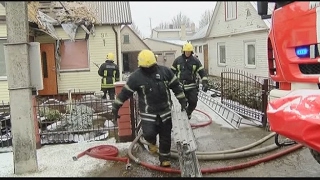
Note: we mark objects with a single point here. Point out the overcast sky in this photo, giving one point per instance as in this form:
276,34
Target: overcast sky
164,11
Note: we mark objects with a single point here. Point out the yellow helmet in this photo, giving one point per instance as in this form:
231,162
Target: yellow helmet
146,58
187,47
110,56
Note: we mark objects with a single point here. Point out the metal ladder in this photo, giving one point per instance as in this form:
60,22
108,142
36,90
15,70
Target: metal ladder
227,114
185,141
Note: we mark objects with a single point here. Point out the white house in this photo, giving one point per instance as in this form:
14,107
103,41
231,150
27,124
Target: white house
200,45
182,34
237,38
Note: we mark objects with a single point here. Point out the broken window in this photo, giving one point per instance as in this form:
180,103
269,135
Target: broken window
74,55
3,73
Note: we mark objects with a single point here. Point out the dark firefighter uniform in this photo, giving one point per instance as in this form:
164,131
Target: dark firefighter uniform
186,67
109,72
153,82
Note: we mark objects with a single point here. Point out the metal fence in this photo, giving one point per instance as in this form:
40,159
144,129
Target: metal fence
63,119
246,94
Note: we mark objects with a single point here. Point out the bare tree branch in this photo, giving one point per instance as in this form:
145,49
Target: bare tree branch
205,18
176,22
135,28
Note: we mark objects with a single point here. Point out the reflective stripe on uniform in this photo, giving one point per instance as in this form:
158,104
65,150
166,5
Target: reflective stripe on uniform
117,101
200,68
194,68
189,86
172,80
149,115
179,71
128,88
145,99
164,154
148,119
181,95
205,78
172,67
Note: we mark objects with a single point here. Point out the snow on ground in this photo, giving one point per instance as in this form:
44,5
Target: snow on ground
56,160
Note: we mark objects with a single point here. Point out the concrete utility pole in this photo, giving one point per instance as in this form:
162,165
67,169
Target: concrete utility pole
19,84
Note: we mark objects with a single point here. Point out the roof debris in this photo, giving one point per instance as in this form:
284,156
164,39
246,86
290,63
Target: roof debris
69,15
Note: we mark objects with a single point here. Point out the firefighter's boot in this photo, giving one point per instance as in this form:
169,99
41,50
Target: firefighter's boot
153,149
165,163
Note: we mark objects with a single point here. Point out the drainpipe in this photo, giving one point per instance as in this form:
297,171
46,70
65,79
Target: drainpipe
119,63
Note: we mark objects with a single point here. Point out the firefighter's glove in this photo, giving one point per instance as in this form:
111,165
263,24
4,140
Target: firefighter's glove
205,85
183,103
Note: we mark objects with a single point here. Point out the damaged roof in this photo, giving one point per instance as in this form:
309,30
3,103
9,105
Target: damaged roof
73,14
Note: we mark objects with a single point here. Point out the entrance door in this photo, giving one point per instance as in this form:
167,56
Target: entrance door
48,70
205,58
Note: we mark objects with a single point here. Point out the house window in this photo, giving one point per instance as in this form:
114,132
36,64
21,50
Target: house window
250,54
222,54
126,39
230,10
74,55
200,49
196,49
3,73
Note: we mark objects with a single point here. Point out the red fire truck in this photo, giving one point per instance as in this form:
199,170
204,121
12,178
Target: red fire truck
294,62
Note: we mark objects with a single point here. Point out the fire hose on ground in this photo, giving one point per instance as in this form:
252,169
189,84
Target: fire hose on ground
109,152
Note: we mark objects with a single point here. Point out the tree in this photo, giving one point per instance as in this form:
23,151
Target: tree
163,25
205,18
176,22
180,19
135,28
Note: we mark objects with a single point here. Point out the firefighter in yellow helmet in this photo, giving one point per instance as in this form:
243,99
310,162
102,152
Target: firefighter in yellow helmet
186,67
153,82
109,72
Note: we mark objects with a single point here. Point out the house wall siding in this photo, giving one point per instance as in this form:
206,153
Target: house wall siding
135,43
197,43
243,23
235,52
86,81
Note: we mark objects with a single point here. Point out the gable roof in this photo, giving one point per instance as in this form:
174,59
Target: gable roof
127,26
201,33
253,3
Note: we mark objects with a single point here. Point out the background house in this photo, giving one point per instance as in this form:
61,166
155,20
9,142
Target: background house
200,45
131,45
237,38
167,50
69,57
176,34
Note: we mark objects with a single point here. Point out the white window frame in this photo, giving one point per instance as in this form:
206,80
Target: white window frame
230,10
246,63
3,78
200,49
218,54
